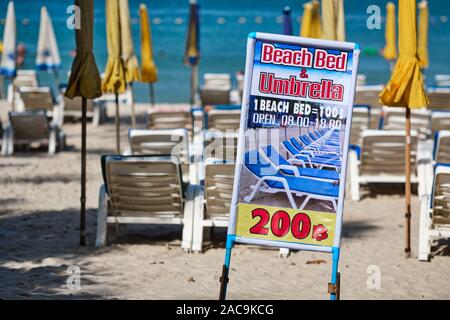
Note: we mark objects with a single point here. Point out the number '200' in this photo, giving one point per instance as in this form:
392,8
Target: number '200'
281,223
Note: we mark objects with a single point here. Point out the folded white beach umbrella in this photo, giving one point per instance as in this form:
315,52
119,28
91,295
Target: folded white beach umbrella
8,62
47,57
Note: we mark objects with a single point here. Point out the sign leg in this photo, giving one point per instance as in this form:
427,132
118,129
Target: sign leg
334,287
225,269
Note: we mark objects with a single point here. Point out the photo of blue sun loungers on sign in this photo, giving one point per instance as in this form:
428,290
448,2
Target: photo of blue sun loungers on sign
291,180
301,170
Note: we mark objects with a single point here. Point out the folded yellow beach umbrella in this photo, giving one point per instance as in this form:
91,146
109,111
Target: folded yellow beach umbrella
406,86
340,20
406,89
390,50
115,80
132,71
84,82
316,25
192,52
328,20
149,71
305,27
423,34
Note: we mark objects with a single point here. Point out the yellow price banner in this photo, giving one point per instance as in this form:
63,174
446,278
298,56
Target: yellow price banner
287,225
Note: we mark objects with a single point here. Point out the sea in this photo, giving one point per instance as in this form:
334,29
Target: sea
224,26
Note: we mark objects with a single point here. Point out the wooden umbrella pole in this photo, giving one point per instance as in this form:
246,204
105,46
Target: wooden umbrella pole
152,94
117,125
408,185
83,173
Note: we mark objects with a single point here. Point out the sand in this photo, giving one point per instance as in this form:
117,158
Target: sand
39,224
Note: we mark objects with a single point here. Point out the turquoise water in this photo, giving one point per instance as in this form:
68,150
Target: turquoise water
222,44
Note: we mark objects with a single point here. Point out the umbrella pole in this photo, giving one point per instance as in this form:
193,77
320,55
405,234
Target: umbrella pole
56,74
13,107
152,94
133,109
194,84
408,185
117,125
83,174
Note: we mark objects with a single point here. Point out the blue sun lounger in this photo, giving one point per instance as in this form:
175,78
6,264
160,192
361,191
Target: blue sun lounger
272,155
325,143
317,154
318,147
271,180
312,161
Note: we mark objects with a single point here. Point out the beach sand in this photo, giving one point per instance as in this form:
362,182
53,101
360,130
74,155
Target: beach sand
39,223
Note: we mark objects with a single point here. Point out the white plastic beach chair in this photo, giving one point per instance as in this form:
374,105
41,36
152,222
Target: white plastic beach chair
435,212
167,119
143,190
439,99
220,146
361,80
214,201
442,147
24,78
41,98
32,127
240,81
360,122
442,80
216,89
71,108
440,120
382,159
164,143
369,95
394,119
224,120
